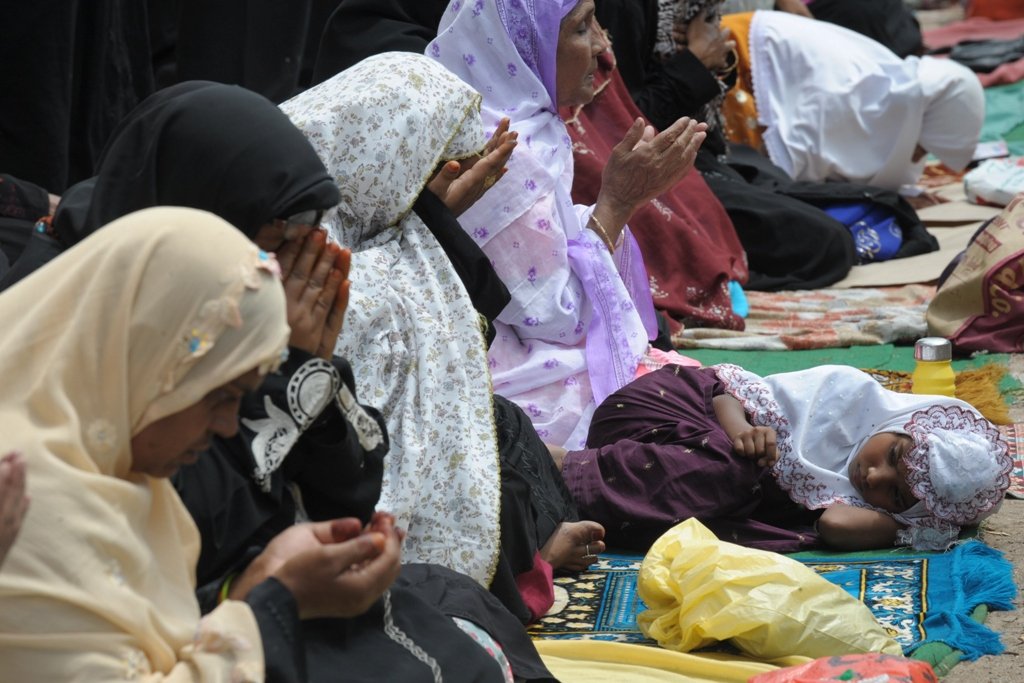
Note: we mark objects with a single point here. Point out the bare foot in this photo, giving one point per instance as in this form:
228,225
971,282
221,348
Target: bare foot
574,546
557,454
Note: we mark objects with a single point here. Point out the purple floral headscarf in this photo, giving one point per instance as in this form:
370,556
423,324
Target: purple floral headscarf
533,26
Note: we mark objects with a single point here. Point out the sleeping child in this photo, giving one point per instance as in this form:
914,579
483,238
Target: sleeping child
787,462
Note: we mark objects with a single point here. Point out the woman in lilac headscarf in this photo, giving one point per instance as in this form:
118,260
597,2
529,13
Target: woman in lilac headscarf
581,316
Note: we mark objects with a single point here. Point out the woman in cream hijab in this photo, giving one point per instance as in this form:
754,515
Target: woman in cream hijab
121,359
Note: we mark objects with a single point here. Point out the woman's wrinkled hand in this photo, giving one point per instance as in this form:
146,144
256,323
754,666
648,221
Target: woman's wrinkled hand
708,42
315,275
645,164
757,443
459,184
13,500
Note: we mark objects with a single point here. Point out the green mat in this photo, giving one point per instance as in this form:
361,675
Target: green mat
881,357
1004,116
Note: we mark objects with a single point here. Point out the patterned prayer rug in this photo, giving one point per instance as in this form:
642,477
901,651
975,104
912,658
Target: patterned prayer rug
823,318
1015,438
919,598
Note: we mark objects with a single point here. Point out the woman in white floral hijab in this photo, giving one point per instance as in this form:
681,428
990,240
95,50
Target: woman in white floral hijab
412,334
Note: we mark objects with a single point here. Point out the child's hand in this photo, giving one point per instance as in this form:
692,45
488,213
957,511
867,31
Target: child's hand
757,442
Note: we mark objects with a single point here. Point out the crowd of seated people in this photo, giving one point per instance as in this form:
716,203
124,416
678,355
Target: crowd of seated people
339,369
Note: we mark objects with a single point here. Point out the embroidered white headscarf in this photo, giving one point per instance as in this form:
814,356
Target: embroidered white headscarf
958,466
837,105
411,332
137,322
580,319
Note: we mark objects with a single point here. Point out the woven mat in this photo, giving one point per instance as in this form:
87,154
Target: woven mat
819,319
602,604
898,587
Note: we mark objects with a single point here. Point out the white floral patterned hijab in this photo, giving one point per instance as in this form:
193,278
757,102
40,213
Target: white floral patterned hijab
411,333
137,322
958,467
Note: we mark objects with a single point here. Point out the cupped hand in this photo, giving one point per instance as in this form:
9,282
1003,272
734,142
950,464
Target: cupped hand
757,443
344,578
645,164
291,542
315,275
459,184
13,500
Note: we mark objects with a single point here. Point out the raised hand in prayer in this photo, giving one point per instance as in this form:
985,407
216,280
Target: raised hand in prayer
315,275
333,569
644,165
13,501
708,42
459,184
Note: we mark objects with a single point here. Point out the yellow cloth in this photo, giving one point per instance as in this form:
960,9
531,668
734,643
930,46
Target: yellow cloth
701,591
137,322
594,661
739,109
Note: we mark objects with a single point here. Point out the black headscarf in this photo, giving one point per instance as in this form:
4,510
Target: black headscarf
361,28
204,145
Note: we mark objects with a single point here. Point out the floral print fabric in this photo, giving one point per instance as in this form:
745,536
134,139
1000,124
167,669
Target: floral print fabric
411,332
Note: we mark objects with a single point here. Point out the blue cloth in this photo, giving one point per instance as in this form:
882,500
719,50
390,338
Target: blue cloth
740,305
876,234
928,597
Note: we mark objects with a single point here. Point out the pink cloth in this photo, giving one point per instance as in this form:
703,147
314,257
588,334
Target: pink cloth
981,28
656,359
537,587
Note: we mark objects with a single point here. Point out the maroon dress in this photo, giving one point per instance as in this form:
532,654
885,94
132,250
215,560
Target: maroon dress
656,455
690,247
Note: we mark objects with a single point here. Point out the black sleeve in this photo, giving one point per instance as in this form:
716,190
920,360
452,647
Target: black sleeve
238,493
277,616
340,468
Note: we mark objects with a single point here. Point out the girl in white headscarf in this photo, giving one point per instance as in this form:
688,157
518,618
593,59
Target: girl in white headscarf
758,459
836,105
121,359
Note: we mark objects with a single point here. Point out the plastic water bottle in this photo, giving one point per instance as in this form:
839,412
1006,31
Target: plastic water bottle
933,372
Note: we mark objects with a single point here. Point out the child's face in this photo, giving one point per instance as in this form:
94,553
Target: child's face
879,473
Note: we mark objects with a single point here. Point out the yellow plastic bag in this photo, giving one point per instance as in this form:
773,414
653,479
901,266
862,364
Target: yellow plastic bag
700,591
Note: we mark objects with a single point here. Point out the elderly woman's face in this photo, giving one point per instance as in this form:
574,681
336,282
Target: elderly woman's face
579,44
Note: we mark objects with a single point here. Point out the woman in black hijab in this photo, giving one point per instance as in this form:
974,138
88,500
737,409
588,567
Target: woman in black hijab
204,145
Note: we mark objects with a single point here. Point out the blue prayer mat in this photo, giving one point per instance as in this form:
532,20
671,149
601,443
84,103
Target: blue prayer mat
919,598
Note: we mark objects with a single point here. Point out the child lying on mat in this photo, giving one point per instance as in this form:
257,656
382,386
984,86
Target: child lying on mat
786,462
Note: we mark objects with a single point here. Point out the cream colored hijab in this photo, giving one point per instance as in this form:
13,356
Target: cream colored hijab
137,322
411,332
